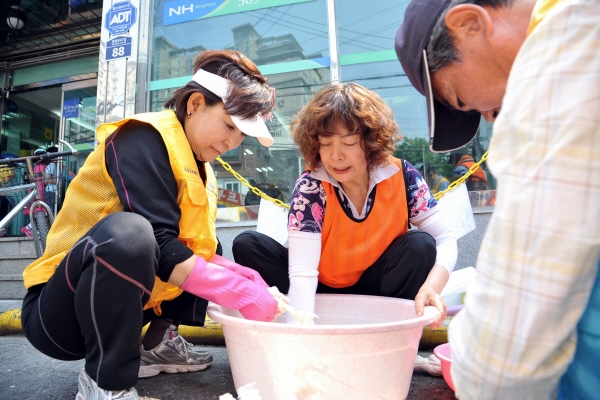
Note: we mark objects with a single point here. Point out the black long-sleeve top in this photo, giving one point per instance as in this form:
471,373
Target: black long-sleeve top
138,163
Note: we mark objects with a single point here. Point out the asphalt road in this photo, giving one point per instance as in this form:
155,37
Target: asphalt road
25,373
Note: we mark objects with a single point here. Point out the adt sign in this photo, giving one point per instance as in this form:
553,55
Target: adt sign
120,18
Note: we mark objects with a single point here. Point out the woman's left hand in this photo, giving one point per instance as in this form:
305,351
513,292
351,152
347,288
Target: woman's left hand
427,296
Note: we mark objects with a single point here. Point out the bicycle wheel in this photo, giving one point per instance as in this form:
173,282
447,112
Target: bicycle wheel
42,222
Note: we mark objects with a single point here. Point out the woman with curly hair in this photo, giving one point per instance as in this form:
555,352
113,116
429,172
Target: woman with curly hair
350,212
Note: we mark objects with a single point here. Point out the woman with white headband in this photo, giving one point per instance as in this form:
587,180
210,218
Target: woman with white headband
135,240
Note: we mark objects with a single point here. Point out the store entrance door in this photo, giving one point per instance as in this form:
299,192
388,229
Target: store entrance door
77,125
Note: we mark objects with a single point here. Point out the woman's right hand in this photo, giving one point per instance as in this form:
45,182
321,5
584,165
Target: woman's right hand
263,308
232,290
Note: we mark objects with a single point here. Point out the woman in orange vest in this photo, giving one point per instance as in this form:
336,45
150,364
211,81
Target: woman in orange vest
350,211
135,240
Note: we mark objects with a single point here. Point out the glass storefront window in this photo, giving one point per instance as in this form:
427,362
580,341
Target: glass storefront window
288,40
32,119
266,31
366,33
80,129
368,26
25,127
389,81
275,169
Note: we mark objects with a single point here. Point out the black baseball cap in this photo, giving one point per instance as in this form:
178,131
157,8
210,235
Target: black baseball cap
449,129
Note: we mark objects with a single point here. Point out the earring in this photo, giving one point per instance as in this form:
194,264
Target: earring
189,114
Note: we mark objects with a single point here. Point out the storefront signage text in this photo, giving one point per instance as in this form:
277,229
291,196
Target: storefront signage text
231,197
178,11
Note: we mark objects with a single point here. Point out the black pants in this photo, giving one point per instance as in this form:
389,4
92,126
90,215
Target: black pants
92,305
399,272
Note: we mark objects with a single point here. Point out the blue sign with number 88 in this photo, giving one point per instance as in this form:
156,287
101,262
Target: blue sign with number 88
119,47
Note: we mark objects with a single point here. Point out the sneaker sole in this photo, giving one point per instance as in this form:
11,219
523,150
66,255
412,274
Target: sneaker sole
79,396
153,370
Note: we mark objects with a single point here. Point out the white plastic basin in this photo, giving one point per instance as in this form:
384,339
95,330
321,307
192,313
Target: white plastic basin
363,347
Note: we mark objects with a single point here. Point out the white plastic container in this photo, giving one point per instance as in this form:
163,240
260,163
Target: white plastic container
457,285
363,347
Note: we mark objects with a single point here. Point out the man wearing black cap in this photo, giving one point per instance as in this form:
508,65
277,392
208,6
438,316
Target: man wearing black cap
531,326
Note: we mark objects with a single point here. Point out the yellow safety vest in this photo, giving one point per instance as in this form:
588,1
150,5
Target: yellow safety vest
92,196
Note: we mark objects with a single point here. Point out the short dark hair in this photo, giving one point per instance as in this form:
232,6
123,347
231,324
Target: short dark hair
440,48
250,93
359,109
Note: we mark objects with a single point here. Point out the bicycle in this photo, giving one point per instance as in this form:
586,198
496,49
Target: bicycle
40,214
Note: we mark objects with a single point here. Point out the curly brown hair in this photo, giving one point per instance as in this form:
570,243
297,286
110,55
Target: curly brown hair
250,93
359,110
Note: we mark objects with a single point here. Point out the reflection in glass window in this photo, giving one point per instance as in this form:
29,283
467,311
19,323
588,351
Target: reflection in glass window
290,31
288,40
80,128
25,126
368,26
276,167
390,82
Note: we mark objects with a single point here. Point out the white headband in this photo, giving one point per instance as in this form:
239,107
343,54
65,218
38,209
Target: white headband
215,83
220,86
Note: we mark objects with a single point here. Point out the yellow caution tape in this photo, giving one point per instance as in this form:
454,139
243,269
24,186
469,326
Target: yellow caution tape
260,193
463,178
254,190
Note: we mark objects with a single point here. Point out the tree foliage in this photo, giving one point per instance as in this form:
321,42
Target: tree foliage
416,151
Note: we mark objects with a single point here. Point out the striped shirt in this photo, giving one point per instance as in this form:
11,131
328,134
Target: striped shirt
539,256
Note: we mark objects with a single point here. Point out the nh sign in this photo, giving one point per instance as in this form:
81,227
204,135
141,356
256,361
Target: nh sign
120,18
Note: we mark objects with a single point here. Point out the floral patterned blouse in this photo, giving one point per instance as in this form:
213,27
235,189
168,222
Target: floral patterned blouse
309,199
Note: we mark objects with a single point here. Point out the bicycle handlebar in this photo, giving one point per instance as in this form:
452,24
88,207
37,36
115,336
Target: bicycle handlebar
43,157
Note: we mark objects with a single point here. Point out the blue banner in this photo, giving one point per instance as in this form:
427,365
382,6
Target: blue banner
70,108
178,11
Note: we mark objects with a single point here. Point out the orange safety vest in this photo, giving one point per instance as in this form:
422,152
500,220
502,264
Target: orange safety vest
479,174
92,196
348,246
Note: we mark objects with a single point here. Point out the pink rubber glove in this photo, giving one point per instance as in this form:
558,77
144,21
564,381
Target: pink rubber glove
246,272
229,289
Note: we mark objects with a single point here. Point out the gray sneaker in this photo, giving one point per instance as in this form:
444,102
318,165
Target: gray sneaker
173,355
89,390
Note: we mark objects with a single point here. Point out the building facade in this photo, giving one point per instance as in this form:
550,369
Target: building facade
77,63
